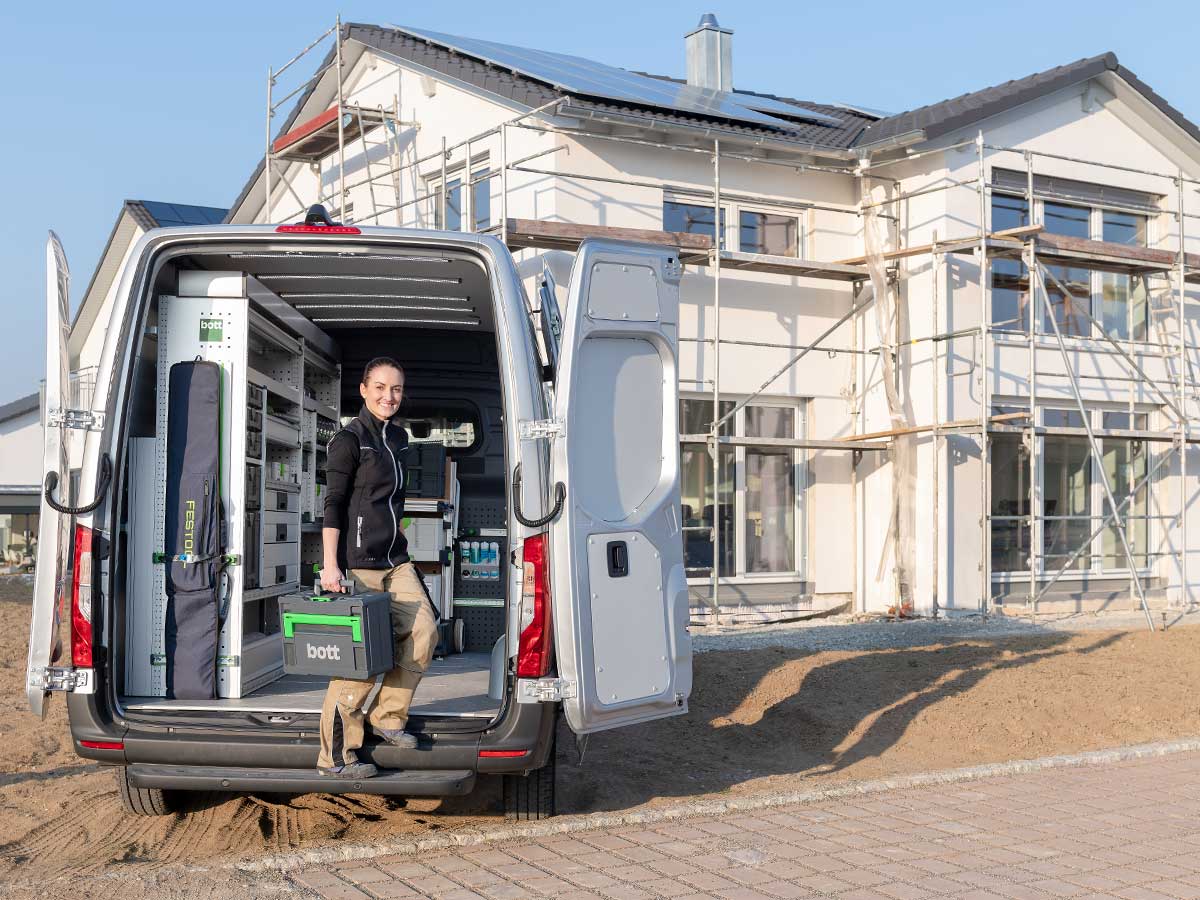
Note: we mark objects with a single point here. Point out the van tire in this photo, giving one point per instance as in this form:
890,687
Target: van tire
143,801
531,796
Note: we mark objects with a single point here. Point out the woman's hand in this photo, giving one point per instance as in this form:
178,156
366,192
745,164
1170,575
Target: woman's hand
331,580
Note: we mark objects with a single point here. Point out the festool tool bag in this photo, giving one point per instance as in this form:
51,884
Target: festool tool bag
195,529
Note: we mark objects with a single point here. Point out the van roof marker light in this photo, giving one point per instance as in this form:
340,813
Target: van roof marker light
308,276
318,229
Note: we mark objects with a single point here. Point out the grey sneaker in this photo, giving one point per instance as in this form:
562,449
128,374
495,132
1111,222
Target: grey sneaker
353,770
398,737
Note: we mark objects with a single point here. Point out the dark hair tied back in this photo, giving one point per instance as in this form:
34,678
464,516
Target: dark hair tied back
379,362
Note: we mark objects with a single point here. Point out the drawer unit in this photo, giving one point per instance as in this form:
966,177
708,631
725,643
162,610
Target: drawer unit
252,548
280,555
282,500
282,432
270,576
253,487
280,528
255,395
254,419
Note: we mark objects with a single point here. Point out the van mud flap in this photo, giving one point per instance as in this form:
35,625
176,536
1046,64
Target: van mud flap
195,538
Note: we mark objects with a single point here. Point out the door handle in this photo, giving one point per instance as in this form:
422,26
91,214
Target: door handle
617,553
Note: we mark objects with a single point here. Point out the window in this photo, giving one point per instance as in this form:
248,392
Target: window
1072,495
691,218
768,233
1117,301
760,521
457,213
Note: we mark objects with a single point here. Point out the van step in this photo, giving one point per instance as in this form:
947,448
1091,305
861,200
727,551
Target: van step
408,783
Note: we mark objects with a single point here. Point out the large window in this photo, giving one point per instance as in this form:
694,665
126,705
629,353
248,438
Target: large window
691,218
760,520
770,233
1117,301
1072,494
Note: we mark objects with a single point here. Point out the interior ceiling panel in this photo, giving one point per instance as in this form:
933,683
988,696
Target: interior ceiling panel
576,75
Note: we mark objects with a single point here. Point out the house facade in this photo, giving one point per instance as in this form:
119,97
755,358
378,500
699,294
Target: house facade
894,438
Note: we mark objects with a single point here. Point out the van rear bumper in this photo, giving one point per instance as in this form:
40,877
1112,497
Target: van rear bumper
411,783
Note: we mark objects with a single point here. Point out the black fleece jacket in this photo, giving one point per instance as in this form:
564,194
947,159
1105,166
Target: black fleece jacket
365,474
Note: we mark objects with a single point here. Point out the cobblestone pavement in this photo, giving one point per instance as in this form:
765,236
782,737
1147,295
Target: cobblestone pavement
1128,830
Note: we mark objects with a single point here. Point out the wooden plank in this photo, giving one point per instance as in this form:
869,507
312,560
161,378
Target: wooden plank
789,443
569,235
918,429
920,250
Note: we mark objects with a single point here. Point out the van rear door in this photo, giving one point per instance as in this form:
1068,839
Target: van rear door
53,526
620,602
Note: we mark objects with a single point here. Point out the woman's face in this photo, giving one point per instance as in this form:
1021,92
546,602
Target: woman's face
382,391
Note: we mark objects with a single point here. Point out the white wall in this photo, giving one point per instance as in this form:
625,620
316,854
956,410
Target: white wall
21,449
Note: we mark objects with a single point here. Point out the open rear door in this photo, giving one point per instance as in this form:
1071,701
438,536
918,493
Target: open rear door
53,527
620,598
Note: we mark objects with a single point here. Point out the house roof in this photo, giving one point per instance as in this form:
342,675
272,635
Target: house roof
524,90
20,407
938,119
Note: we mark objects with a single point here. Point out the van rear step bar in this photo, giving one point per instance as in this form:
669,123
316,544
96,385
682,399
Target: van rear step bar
412,783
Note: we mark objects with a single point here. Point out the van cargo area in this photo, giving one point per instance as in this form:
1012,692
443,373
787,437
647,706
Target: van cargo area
292,330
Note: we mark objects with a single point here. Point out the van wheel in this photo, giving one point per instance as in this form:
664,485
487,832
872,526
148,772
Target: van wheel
143,801
529,797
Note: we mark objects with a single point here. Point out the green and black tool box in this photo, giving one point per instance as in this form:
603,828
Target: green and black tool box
339,635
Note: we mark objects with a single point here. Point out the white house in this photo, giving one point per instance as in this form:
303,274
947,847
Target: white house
895,437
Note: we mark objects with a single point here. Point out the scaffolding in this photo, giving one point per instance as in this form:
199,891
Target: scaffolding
320,138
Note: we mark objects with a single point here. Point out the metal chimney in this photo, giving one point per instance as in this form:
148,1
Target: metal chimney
710,55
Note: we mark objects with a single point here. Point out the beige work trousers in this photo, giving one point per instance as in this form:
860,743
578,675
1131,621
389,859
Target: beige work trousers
414,635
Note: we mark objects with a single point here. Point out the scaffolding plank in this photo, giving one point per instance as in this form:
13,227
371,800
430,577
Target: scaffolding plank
317,137
569,235
967,242
694,249
793,443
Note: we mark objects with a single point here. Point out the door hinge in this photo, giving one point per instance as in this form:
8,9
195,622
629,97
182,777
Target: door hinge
545,690
537,429
81,419
79,681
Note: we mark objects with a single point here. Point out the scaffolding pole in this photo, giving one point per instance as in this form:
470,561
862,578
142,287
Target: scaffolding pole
985,402
714,448
1185,587
1095,448
1031,435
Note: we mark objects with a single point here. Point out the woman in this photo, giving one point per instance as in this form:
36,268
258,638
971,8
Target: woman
364,506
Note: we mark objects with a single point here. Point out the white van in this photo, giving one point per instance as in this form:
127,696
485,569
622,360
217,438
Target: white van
572,460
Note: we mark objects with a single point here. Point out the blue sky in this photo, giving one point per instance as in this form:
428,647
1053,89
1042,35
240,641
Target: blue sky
164,101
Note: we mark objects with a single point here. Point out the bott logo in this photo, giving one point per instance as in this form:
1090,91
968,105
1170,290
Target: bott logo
328,652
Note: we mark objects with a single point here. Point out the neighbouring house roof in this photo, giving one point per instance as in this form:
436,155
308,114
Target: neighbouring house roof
20,407
135,216
938,119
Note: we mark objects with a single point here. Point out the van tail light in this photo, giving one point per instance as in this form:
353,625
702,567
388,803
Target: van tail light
318,229
81,599
534,648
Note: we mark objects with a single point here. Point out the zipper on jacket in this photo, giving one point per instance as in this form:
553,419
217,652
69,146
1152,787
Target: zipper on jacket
391,499
358,539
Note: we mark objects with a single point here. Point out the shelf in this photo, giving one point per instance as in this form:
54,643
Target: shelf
278,388
484,602
253,461
328,412
289,486
275,590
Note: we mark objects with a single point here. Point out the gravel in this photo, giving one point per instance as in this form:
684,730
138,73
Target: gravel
885,634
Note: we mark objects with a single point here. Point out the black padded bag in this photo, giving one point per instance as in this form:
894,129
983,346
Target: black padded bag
195,538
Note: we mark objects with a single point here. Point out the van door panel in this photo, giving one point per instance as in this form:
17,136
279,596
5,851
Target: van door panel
53,527
618,584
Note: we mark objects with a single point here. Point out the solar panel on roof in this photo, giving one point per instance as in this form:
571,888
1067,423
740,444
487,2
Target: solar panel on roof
577,75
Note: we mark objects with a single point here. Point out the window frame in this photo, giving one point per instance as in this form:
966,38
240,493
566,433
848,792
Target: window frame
481,175
732,209
1096,501
800,470
1095,277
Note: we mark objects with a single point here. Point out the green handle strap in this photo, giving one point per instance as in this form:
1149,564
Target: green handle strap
292,619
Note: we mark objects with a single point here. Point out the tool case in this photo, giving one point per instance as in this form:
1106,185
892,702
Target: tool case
338,635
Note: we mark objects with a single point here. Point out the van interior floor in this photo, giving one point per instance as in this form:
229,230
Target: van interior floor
454,686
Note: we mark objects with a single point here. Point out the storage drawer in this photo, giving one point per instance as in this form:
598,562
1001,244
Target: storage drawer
254,445
281,574
280,528
254,419
282,501
282,432
280,555
255,395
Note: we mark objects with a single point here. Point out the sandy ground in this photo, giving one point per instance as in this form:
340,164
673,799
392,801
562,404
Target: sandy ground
763,718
